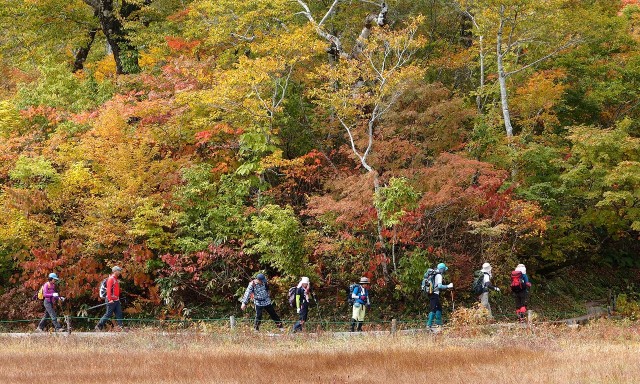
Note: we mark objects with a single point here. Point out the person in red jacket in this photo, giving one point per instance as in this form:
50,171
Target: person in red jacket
113,300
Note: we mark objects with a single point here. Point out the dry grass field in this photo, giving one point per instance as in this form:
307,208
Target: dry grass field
604,352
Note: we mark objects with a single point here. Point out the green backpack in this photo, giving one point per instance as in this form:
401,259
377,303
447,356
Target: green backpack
478,282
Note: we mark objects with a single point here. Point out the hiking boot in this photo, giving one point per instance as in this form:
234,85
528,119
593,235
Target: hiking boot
60,330
97,329
118,329
39,330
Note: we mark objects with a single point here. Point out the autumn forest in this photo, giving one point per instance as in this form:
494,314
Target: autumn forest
197,142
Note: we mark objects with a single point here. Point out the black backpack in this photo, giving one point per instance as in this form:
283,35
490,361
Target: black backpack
291,295
478,282
351,300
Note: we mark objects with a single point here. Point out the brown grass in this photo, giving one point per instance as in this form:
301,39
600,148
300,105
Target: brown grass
602,353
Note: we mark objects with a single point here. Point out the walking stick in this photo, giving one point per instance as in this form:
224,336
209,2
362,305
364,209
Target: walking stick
453,302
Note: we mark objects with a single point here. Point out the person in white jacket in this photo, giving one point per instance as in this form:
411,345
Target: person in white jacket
486,286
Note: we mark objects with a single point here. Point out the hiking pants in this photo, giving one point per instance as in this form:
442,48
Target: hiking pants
112,308
49,312
484,300
304,314
434,303
359,310
272,313
521,299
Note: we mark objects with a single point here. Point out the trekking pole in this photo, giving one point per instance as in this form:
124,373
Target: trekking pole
96,306
453,302
317,306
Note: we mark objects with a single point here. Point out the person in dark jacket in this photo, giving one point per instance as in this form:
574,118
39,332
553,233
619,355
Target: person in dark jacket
50,298
303,293
258,289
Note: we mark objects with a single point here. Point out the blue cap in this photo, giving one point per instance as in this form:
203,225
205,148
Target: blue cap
261,277
442,267
53,276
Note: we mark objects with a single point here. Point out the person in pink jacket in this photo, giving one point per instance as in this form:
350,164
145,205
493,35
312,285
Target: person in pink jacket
51,297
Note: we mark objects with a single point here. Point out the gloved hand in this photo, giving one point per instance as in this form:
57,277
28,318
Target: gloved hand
363,298
450,286
55,294
497,289
243,306
62,298
298,311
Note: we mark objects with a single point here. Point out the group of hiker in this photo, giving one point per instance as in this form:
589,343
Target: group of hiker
358,297
109,292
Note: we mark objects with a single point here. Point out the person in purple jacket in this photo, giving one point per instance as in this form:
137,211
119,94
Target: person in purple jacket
50,298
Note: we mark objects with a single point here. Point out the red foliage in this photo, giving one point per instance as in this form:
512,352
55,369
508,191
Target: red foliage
180,45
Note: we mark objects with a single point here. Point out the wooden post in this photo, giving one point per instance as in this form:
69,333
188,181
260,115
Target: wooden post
232,322
67,319
394,327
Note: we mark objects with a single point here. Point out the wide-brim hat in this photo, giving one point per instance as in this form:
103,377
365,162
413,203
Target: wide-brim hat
364,280
486,267
261,277
304,280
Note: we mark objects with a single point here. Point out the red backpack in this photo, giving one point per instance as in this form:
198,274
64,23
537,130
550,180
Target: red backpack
517,281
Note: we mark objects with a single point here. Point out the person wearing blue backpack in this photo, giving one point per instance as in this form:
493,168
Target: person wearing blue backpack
435,305
360,298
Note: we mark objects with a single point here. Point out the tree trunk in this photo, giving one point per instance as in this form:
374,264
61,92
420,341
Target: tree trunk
83,52
124,53
479,101
502,79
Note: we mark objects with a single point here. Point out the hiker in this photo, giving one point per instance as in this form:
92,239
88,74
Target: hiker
360,297
520,287
50,297
486,286
303,293
258,289
112,300
435,306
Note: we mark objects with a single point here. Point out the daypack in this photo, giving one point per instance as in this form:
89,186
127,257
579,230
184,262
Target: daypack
103,288
429,281
292,296
517,281
478,282
351,300
40,294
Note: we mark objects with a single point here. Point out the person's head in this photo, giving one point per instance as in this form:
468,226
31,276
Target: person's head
486,268
364,281
116,271
442,267
304,282
521,268
261,278
53,277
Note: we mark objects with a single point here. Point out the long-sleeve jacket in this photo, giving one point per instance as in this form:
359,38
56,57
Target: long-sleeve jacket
361,295
260,294
113,288
48,289
439,284
302,297
486,283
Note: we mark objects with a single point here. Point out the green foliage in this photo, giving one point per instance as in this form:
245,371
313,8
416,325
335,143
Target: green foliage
59,88
212,211
279,240
33,172
394,200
